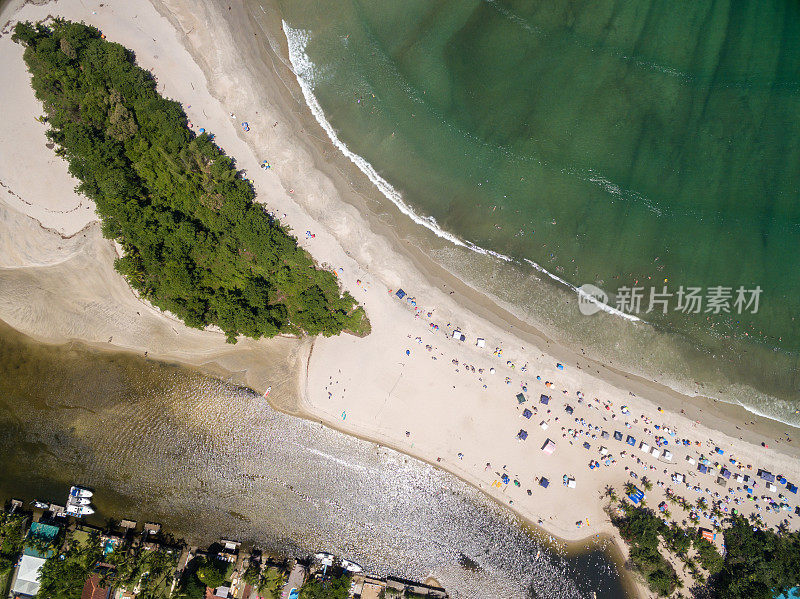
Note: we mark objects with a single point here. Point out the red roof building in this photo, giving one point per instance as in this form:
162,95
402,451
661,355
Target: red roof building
94,590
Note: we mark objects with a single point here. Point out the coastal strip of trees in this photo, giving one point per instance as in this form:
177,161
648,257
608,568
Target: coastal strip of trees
758,563
195,242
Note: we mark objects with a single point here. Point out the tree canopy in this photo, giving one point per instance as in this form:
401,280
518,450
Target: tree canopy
64,574
195,243
758,563
330,588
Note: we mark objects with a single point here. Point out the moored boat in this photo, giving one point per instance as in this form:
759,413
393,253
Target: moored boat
76,491
79,510
351,566
325,558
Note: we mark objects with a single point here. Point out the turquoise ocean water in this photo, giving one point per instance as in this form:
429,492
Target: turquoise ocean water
622,144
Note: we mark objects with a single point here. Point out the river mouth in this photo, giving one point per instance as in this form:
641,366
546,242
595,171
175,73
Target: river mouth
213,460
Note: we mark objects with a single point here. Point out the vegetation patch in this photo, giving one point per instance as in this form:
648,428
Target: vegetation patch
195,243
757,563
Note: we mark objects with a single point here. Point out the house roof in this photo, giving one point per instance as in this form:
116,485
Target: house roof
27,582
92,589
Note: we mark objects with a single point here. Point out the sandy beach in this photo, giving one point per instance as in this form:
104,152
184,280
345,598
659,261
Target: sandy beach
412,384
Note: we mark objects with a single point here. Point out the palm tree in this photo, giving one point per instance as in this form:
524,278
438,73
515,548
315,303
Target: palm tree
272,582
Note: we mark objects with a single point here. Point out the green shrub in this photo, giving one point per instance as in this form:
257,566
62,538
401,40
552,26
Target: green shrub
194,241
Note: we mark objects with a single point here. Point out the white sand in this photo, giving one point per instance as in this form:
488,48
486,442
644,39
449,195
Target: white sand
57,289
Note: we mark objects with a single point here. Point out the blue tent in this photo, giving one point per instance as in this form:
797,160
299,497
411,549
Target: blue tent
636,495
544,399
400,293
618,435
569,409
630,441
543,482
505,478
521,398
791,488
522,434
767,476
527,413
586,445
726,473
702,468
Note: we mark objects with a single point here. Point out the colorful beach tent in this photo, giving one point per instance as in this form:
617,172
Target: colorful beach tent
527,413
707,535
636,495
767,476
549,447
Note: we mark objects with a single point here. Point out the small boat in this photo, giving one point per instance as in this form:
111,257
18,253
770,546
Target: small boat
267,391
351,566
42,505
79,501
77,491
79,510
325,558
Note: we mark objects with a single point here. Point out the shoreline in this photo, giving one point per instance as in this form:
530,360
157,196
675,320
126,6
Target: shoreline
386,246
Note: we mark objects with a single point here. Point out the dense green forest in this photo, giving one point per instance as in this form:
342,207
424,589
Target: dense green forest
757,564
195,243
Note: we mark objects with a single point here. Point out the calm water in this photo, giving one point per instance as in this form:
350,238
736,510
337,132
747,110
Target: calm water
210,460
614,143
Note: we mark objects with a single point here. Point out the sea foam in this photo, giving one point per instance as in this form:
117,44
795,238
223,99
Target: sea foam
307,74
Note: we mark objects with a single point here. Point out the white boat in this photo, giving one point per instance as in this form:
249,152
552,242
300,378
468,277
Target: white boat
79,510
42,505
326,559
266,393
77,491
79,501
351,566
